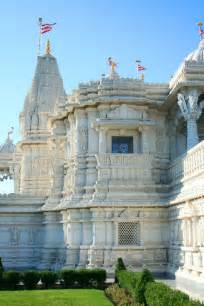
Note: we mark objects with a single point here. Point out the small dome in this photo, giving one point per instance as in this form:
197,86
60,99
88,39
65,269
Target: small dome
197,55
8,146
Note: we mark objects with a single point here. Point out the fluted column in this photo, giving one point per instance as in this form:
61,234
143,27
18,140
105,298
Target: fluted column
191,111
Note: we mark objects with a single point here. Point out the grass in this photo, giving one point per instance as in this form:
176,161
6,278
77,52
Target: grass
65,297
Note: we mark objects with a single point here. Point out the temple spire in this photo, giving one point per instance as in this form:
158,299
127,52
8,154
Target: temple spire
48,48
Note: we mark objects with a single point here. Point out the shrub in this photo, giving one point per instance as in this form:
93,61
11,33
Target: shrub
10,279
83,278
127,280
1,266
97,278
120,266
30,279
140,285
135,283
159,294
48,278
1,273
194,303
119,296
68,278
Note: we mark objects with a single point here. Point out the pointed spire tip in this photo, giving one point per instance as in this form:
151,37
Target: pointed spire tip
48,48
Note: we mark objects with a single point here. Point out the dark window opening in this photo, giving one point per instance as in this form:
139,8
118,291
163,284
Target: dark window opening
121,144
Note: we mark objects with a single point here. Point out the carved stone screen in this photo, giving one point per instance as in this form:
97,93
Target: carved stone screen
128,233
122,144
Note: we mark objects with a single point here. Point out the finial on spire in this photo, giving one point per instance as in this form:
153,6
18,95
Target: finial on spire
200,29
112,64
10,132
48,48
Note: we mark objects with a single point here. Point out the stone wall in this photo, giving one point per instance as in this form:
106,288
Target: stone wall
96,237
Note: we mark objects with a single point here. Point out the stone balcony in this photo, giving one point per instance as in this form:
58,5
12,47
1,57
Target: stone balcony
129,179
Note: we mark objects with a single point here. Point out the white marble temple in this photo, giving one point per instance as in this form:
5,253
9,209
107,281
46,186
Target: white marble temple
116,169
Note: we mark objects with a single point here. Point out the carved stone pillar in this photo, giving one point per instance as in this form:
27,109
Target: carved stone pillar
191,111
145,139
81,132
81,151
92,134
184,232
96,252
194,231
86,238
102,141
72,144
91,172
57,148
73,238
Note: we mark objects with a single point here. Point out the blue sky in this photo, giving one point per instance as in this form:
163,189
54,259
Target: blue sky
160,33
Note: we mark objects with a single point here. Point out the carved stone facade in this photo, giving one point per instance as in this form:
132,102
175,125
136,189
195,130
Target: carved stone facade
116,169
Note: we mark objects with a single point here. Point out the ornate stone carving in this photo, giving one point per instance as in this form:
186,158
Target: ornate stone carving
83,139
191,111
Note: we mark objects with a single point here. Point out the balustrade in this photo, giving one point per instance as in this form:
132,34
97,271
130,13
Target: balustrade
124,166
190,164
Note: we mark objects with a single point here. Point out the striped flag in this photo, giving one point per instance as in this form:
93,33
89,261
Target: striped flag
140,67
201,31
46,27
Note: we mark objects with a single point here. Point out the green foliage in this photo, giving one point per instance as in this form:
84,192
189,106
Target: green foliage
68,278
120,296
194,303
10,279
135,283
1,273
159,294
1,266
48,278
83,278
140,285
97,278
120,266
30,279
127,280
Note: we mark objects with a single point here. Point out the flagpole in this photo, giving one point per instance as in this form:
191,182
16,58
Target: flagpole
39,39
138,61
200,24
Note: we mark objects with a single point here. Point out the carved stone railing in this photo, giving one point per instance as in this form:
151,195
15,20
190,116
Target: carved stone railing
124,167
188,165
